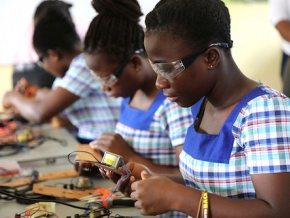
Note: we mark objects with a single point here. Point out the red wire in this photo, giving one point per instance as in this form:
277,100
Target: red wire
49,212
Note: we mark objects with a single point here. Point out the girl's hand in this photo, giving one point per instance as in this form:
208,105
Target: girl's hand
115,143
125,185
153,194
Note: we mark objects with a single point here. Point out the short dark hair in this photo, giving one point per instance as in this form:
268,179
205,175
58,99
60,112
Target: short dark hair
43,7
55,30
115,31
197,22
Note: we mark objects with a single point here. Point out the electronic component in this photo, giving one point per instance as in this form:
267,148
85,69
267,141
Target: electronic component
86,159
40,209
112,160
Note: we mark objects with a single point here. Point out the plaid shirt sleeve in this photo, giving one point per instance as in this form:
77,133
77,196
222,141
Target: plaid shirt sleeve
78,79
176,121
265,134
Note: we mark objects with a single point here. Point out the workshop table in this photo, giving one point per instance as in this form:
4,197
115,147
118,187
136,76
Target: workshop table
52,157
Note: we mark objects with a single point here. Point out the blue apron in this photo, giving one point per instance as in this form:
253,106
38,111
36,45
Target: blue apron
216,148
136,118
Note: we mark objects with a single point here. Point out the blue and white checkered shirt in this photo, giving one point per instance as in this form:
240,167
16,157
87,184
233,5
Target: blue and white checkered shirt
258,142
154,133
95,112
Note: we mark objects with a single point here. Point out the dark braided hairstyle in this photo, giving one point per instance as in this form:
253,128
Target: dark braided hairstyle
55,30
115,31
200,21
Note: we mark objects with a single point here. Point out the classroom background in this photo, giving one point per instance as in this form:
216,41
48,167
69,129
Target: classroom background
256,42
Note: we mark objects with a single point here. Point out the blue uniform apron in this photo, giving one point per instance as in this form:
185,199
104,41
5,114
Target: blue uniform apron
139,119
215,148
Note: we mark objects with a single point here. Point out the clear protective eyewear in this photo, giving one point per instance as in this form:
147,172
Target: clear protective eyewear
172,69
40,60
111,80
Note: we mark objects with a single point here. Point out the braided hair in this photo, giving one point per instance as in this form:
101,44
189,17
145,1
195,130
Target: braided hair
200,21
55,29
115,31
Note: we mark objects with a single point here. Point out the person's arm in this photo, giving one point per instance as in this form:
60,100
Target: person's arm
39,110
115,143
61,121
284,29
156,195
279,17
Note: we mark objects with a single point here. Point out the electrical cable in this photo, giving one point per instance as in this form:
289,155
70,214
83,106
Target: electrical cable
123,177
42,200
8,149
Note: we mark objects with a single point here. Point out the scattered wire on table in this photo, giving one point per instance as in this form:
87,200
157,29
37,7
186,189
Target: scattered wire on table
13,196
8,149
6,171
125,169
28,214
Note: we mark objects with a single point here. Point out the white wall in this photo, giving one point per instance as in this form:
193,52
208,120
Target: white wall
256,43
15,25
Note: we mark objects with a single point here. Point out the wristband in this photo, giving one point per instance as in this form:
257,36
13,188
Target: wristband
204,204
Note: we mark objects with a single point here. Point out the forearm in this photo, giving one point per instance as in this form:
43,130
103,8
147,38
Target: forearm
40,109
284,29
187,200
27,107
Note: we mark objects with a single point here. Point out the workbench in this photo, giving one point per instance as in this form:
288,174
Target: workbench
52,157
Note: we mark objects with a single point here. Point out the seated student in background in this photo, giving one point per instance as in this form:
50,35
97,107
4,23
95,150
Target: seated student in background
151,129
31,75
286,79
280,19
236,154
76,94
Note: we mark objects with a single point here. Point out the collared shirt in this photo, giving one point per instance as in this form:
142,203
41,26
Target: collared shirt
95,112
163,126
260,144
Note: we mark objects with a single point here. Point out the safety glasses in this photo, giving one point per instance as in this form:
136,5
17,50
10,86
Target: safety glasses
172,69
111,80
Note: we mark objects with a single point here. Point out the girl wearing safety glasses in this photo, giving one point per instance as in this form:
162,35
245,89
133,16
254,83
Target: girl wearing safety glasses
151,129
235,160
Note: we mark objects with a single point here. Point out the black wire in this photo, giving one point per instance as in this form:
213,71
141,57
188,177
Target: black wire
24,192
42,200
62,142
9,149
12,149
9,190
83,160
106,211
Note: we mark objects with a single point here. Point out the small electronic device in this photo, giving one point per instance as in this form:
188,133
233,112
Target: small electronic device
111,162
87,161
112,159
